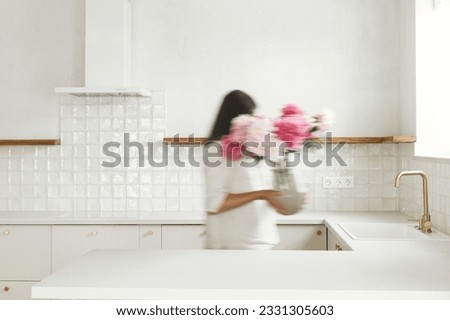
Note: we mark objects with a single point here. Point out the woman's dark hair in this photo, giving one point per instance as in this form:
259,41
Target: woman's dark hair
234,104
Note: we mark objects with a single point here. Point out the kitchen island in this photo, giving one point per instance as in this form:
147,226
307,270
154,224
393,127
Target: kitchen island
241,274
126,260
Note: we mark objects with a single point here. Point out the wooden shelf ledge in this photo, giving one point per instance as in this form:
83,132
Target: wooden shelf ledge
349,140
36,142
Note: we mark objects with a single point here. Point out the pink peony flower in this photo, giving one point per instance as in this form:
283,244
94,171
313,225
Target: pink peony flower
256,133
247,132
240,126
231,149
293,130
290,110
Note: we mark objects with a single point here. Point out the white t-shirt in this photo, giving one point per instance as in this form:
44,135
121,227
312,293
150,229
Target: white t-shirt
251,226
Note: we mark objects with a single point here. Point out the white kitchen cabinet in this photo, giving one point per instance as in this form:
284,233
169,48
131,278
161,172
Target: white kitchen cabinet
302,237
335,242
24,252
15,290
150,237
69,242
183,237
29,253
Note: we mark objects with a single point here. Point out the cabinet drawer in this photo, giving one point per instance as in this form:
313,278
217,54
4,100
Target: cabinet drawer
24,252
71,242
183,237
15,290
150,237
302,237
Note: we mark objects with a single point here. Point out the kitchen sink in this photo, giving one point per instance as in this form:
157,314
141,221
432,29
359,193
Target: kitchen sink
389,231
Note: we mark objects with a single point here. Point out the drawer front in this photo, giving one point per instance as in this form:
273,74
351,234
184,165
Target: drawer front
302,237
150,237
71,242
15,290
183,237
24,252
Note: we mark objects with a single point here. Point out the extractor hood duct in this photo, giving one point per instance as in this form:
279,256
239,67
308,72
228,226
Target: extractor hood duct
107,51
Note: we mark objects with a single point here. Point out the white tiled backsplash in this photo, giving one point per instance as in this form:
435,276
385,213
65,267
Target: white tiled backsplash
70,177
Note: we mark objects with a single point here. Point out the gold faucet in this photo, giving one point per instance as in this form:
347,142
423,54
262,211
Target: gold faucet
425,221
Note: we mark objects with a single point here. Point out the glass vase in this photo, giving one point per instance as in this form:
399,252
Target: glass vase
284,181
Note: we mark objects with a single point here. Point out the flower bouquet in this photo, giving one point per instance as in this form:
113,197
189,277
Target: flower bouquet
259,136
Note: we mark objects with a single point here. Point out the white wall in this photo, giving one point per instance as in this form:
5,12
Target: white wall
339,54
433,78
41,47
407,72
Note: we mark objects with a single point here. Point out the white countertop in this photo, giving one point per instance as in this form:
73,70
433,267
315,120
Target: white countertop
70,217
373,270
242,274
65,218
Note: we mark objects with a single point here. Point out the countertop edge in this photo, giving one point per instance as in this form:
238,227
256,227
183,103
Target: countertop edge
65,218
223,294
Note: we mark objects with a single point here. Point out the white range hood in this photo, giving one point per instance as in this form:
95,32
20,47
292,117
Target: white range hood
107,51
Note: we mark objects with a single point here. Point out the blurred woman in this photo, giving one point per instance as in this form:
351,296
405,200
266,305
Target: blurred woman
238,199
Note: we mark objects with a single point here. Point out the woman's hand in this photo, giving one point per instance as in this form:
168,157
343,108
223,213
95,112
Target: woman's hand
233,201
273,198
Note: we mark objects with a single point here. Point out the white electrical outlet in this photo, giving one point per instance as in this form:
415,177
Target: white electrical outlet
337,182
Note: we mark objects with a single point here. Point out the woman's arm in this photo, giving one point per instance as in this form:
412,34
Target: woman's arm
235,200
